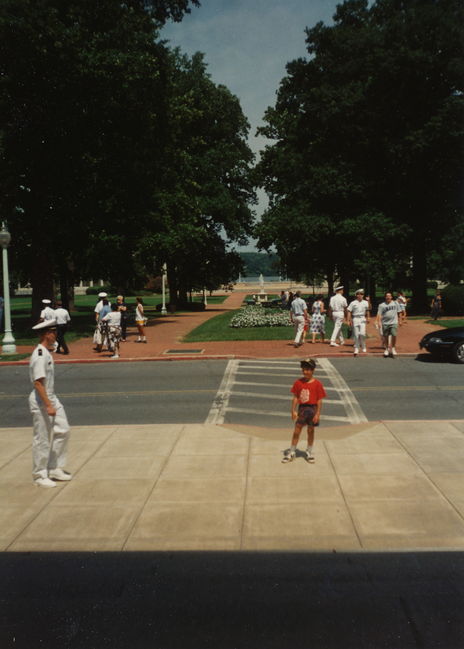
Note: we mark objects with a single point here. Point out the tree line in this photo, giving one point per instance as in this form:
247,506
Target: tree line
364,172
119,154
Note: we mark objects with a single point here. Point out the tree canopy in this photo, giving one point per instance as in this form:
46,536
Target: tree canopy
116,153
367,151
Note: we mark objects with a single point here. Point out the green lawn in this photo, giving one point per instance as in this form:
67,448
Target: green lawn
447,323
217,329
82,317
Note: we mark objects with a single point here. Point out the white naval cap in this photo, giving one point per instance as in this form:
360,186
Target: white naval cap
103,294
46,324
338,288
46,301
360,290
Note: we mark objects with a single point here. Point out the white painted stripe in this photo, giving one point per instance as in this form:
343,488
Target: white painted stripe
352,407
253,411
274,385
217,410
262,395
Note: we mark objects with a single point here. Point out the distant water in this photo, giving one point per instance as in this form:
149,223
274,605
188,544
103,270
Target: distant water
255,279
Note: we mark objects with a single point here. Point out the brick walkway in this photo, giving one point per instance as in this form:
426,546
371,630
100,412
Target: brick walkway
166,334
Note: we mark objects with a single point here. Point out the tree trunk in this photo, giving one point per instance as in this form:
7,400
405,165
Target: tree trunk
67,289
419,277
42,281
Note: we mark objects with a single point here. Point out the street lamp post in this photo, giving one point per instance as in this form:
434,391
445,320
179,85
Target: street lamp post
163,288
8,346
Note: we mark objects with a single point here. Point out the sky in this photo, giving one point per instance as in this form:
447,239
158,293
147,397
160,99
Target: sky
247,44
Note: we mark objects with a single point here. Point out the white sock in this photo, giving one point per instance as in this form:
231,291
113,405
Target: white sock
309,449
292,449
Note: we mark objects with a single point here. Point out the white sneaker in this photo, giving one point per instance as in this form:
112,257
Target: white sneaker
309,457
364,350
44,482
386,353
289,456
334,344
59,474
393,352
342,341
356,351
115,356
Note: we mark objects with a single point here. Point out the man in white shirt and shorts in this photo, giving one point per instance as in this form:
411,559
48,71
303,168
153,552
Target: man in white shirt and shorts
387,318
298,315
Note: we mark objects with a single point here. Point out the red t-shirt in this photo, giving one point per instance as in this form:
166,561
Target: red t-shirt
308,391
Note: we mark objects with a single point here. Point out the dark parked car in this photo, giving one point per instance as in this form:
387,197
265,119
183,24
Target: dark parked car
445,341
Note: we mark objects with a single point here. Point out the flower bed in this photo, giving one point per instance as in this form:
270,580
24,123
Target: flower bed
258,316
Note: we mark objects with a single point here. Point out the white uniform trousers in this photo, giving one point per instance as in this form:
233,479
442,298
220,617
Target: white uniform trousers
50,437
337,317
359,333
299,323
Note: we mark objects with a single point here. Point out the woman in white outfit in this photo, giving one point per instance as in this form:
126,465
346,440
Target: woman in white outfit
140,321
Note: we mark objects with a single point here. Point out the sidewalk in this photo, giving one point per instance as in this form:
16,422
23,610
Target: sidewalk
165,335
376,486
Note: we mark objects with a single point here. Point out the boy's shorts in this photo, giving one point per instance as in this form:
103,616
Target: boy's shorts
390,330
306,413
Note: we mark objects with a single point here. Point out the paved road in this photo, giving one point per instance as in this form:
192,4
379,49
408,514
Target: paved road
241,391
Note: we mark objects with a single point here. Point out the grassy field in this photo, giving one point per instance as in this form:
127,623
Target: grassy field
82,317
217,329
447,323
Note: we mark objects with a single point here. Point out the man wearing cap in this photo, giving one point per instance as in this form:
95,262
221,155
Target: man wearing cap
337,311
99,305
51,427
298,315
62,320
47,312
358,316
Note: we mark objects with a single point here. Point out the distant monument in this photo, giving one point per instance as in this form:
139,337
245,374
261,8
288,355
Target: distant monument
261,281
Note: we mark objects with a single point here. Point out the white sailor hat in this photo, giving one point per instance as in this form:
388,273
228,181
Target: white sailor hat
338,288
360,290
46,324
103,294
46,301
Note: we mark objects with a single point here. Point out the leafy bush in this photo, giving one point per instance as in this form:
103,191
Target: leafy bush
453,299
95,290
257,316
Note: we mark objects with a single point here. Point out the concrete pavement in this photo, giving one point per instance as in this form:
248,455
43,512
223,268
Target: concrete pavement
375,486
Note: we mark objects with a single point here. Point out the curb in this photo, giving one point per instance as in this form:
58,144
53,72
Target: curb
197,357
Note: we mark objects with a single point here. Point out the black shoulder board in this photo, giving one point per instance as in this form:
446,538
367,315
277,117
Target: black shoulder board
40,352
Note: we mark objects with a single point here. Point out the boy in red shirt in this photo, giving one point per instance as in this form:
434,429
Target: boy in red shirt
306,408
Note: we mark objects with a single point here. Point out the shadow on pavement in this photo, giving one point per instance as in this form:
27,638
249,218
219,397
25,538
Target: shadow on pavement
429,358
183,600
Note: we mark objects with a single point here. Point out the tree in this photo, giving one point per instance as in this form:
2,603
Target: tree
368,143
82,108
201,204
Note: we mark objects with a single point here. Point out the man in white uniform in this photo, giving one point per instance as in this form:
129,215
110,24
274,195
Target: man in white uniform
298,315
51,427
62,320
47,312
337,311
358,316
99,305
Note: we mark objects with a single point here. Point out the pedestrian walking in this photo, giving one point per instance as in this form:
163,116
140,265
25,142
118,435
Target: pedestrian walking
317,319
47,312
100,336
403,302
358,317
298,315
308,393
122,308
62,320
337,311
112,320
140,320
51,427
436,306
387,322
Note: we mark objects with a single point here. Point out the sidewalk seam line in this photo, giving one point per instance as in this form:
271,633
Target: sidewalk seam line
245,495
54,496
348,509
417,462
136,518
